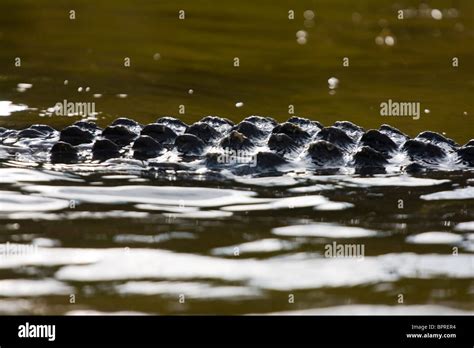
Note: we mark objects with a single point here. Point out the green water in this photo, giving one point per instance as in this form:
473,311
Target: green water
275,71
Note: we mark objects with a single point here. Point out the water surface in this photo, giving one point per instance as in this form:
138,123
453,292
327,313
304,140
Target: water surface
123,241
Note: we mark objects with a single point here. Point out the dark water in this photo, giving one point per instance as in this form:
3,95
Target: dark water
123,241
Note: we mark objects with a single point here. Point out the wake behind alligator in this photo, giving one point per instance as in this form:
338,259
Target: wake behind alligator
255,146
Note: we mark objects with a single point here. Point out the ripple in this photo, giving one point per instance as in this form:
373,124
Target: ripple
165,195
312,188
276,274
461,193
14,175
15,202
395,181
465,226
31,288
78,215
259,246
94,312
282,203
323,230
194,290
334,206
379,310
167,208
268,181
283,273
7,107
435,238
200,214
152,239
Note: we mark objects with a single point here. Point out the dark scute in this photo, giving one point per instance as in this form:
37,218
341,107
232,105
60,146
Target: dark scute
43,128
417,149
76,136
323,152
269,160
213,160
189,144
120,135
368,157
104,149
369,161
31,133
469,143
378,141
435,138
293,131
123,121
348,126
415,168
215,121
62,152
389,130
9,133
87,125
282,143
203,131
335,136
236,141
304,122
146,147
466,154
249,129
260,120
161,133
174,123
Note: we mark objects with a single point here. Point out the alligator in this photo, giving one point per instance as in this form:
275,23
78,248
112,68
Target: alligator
256,145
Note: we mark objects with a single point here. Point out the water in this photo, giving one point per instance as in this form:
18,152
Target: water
124,241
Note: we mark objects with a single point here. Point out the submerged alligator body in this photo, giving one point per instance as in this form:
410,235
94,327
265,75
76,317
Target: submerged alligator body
255,145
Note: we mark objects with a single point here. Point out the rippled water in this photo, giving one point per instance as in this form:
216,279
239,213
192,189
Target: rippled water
124,241
130,243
